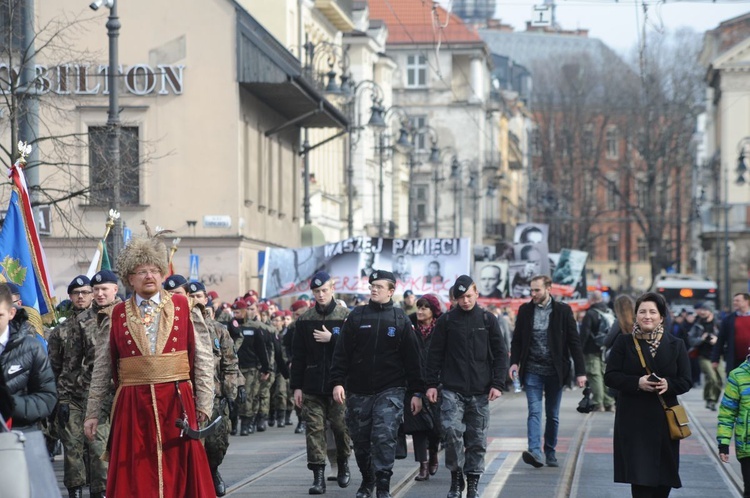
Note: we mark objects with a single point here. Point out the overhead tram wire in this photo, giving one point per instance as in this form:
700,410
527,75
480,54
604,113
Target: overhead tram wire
437,71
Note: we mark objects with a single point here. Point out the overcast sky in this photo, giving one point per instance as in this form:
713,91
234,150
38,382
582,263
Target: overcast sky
618,23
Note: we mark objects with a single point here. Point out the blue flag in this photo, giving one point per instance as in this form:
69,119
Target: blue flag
17,259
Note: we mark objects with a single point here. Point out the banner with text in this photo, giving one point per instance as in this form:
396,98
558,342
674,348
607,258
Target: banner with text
422,265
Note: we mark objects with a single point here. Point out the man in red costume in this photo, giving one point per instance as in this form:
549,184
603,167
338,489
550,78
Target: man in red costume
158,354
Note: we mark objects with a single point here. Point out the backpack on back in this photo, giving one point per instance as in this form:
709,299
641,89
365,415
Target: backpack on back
606,320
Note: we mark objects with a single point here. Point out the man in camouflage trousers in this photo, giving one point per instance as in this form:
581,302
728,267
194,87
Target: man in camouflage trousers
313,342
254,361
226,380
468,357
66,353
376,362
280,388
276,366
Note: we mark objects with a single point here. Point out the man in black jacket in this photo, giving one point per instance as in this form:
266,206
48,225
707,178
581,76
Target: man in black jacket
254,363
468,355
315,335
377,358
543,341
26,368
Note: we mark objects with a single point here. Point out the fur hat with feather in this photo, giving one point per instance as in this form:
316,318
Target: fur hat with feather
143,250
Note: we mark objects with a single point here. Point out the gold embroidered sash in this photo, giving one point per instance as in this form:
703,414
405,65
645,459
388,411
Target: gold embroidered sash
154,369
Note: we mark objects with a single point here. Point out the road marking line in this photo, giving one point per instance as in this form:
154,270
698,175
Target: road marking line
497,483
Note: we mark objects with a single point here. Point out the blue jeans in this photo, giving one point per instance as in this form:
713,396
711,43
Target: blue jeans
536,385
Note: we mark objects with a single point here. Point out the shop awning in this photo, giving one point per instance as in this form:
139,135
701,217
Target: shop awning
271,73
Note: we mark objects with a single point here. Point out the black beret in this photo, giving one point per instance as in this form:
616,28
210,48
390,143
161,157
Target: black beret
319,279
174,281
104,277
194,287
382,275
79,281
462,285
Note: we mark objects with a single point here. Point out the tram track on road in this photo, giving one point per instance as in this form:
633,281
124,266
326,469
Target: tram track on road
733,480
244,484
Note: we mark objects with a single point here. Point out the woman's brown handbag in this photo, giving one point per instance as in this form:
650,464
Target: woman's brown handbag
677,418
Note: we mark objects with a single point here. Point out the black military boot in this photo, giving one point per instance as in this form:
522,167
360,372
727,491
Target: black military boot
319,479
344,476
219,486
472,485
383,484
233,431
457,484
246,427
288,418
300,427
98,494
271,418
368,479
76,492
260,423
280,418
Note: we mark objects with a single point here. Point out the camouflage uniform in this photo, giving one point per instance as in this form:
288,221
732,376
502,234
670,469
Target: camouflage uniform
310,373
280,392
253,365
375,417
262,399
71,356
226,379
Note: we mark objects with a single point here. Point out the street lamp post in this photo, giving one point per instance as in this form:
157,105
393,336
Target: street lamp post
113,120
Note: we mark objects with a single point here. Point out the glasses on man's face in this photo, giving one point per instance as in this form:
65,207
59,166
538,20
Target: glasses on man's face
377,287
81,292
144,273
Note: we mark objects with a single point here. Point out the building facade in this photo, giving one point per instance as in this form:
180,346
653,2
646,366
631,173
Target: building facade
212,120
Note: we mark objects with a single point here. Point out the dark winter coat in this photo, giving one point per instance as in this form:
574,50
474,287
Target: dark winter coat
562,339
429,418
590,327
644,453
311,360
29,378
377,350
725,344
252,352
467,353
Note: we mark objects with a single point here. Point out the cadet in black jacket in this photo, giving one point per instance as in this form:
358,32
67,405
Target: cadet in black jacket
469,357
377,358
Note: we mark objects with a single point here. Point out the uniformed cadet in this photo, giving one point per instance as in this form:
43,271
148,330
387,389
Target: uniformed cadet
315,335
468,356
298,308
375,362
65,358
276,366
226,379
253,360
280,388
286,345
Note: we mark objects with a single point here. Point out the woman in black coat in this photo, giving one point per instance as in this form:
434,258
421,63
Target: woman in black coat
644,454
425,426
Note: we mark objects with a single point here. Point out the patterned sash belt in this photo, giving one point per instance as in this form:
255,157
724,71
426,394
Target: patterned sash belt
155,369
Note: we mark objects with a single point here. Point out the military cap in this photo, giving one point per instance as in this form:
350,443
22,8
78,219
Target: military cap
194,287
408,293
239,304
262,307
250,300
461,286
104,277
13,288
319,279
79,281
174,281
213,294
278,314
382,275
299,304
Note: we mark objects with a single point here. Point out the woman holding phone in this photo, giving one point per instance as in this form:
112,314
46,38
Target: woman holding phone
644,454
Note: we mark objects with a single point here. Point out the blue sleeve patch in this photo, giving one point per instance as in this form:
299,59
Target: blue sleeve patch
217,344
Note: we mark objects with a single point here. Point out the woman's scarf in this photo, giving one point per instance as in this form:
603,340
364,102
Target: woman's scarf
425,329
652,338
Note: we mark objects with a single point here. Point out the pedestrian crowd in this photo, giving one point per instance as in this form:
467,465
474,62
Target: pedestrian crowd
144,386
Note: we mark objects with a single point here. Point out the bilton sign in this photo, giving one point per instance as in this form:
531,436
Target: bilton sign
86,79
